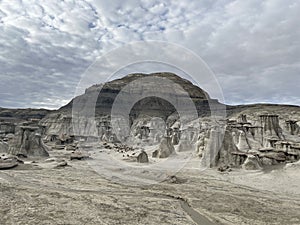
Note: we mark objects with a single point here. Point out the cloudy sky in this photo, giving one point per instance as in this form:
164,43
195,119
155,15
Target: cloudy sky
252,46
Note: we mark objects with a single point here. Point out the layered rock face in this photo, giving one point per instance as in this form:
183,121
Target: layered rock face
250,137
263,131
19,115
270,125
105,95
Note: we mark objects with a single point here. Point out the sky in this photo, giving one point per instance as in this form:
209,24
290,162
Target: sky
252,46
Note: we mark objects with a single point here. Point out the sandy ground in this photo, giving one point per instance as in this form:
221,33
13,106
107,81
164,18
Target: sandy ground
38,193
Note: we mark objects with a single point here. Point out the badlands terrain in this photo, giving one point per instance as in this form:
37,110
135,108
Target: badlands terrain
81,164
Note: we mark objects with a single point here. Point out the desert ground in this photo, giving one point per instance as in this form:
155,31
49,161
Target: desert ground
47,192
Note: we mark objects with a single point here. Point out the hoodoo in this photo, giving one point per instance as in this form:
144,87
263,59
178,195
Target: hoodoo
270,135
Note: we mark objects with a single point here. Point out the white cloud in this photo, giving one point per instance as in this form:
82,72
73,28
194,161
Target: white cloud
253,46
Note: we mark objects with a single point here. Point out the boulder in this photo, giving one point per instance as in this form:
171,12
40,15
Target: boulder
142,157
61,164
175,180
266,161
9,162
224,168
251,163
78,155
51,160
7,157
8,165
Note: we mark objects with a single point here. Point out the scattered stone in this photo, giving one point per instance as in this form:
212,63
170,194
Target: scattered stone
77,155
107,147
59,147
175,180
62,164
225,168
51,160
71,147
21,155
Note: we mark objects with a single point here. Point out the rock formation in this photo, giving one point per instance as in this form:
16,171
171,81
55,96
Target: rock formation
60,121
270,124
251,163
292,127
270,133
261,136
185,142
243,142
165,149
28,142
4,146
142,157
212,147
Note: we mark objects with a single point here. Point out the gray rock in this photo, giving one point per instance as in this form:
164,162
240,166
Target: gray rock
28,142
142,157
78,155
251,163
62,164
9,162
266,161
4,146
165,149
8,165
